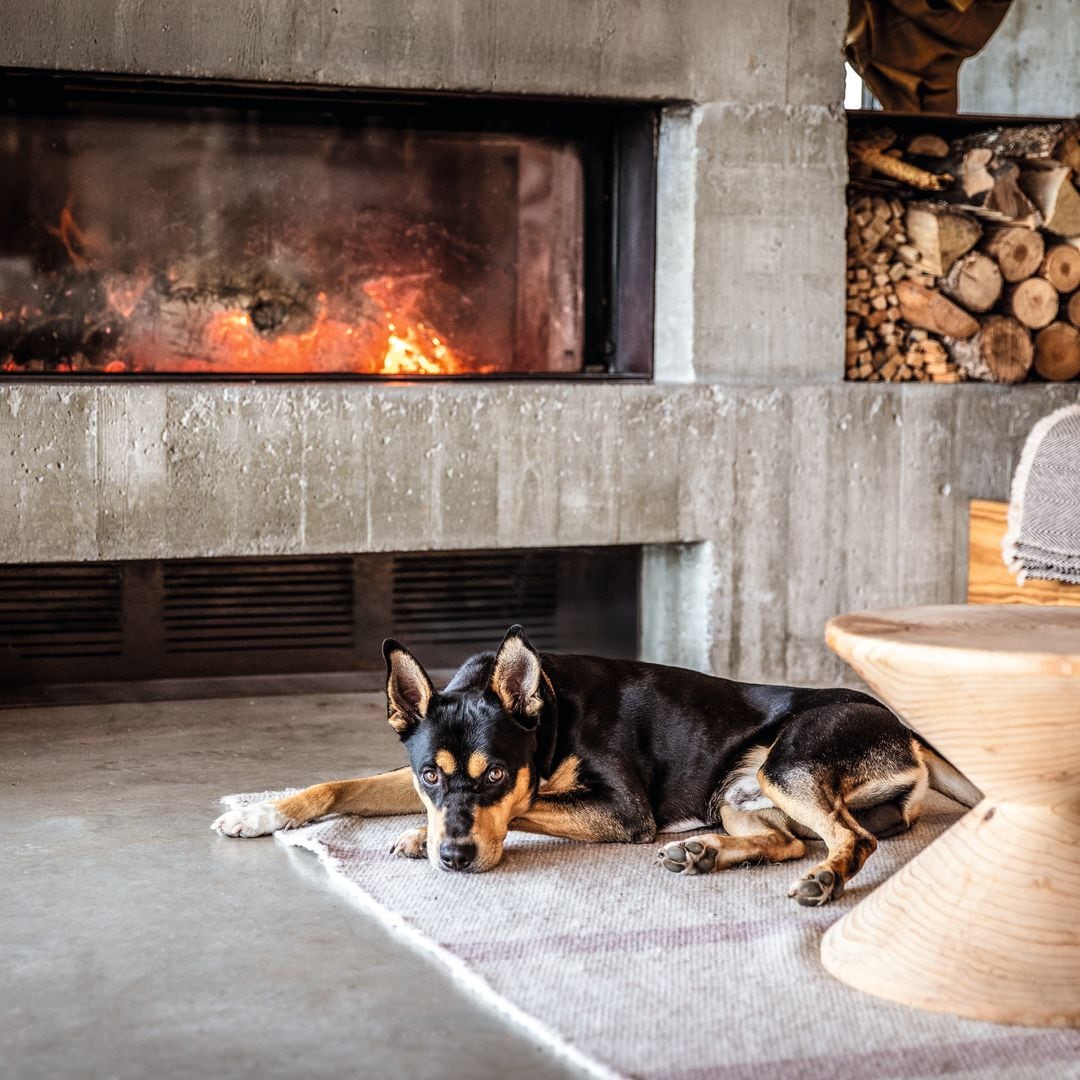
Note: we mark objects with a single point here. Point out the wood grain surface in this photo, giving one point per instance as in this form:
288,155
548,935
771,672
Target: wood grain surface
989,580
985,922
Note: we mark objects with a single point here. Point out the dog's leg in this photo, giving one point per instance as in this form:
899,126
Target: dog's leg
372,796
822,810
586,818
753,836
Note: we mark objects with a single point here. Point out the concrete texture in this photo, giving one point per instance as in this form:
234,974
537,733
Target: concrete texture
769,255
137,943
813,499
798,496
1028,66
703,50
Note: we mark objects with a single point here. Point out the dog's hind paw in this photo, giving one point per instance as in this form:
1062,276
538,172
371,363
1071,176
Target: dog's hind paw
817,888
692,856
411,844
258,819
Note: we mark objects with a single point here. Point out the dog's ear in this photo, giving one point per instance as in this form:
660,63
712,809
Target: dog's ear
408,689
515,677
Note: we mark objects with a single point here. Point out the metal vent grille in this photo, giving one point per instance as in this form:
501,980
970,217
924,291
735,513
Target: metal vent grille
88,623
61,612
470,598
237,605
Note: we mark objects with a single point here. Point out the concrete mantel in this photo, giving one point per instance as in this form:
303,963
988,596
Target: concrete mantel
698,50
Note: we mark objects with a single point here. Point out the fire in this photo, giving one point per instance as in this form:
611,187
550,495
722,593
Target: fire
124,293
402,358
328,345
147,323
82,248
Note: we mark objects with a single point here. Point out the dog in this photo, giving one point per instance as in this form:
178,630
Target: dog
617,750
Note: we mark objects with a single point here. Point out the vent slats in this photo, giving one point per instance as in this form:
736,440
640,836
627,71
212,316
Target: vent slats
468,600
263,605
83,623
53,612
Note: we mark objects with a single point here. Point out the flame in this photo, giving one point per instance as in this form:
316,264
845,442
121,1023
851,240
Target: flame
82,248
124,293
389,335
404,358
328,345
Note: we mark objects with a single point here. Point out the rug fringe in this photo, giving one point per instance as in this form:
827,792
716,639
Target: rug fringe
468,979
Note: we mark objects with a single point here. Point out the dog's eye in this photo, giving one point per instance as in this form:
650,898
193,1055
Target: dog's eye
496,775
430,776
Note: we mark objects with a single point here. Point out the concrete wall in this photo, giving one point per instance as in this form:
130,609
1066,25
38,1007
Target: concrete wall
812,500
1029,65
772,494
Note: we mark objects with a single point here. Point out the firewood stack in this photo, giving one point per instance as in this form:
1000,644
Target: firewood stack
964,258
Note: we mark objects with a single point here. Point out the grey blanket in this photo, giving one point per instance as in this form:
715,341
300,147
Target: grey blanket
1043,538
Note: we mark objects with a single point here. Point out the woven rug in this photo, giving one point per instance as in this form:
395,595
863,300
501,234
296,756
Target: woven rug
626,970
1043,538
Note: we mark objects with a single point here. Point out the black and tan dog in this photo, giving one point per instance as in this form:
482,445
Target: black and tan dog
614,750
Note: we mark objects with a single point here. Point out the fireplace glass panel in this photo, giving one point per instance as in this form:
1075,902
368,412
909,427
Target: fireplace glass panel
222,242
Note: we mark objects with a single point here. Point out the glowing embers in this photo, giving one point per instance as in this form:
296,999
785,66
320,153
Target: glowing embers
375,345
253,319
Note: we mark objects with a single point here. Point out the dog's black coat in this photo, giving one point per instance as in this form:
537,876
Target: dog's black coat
656,742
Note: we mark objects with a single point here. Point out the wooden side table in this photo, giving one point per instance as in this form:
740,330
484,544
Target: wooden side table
985,922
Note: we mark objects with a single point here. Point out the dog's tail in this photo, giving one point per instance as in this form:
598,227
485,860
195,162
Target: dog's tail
948,779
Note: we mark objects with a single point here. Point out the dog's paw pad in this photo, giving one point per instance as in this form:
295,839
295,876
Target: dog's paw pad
258,819
687,857
411,844
817,888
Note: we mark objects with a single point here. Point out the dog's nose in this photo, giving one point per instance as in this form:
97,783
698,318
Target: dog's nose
457,854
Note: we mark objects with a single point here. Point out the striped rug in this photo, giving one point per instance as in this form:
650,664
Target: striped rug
627,970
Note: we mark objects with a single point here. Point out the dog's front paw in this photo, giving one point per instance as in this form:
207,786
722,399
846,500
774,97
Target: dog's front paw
817,888
258,819
692,856
411,844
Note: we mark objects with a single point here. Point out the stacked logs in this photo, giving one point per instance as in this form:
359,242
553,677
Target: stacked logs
880,344
964,258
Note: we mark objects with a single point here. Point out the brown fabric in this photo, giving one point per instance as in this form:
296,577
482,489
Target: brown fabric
909,51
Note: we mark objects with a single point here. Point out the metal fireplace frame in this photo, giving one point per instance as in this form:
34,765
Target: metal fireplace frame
618,143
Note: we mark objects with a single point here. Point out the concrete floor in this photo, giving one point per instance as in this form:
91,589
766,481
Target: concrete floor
135,943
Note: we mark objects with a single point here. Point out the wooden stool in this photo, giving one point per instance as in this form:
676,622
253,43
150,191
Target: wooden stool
986,921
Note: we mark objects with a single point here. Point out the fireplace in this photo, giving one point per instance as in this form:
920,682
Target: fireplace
160,230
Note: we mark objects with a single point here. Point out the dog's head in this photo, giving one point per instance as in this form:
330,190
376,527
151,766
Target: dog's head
471,746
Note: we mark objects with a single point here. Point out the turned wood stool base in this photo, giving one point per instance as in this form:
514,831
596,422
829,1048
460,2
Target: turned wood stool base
985,922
